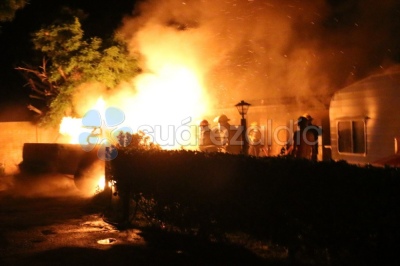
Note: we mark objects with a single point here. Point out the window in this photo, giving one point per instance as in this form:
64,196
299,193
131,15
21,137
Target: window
351,136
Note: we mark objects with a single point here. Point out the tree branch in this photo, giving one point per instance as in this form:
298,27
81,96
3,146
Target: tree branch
33,108
34,88
36,97
62,73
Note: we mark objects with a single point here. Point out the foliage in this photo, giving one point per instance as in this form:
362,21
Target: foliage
9,7
70,60
138,141
348,211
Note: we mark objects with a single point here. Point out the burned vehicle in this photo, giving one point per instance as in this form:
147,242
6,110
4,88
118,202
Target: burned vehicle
84,167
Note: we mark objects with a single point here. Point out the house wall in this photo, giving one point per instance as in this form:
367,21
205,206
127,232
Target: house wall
376,100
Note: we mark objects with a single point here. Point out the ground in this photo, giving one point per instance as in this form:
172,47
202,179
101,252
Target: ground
45,220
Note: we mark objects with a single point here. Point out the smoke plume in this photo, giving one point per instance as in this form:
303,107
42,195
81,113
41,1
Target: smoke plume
255,49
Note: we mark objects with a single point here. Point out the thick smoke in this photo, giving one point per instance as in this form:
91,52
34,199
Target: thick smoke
255,49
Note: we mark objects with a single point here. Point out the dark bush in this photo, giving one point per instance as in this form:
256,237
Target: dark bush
343,208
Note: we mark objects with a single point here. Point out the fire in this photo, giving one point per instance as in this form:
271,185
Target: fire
101,183
71,127
166,105
165,102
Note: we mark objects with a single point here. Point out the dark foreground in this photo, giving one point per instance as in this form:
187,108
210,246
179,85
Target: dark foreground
46,221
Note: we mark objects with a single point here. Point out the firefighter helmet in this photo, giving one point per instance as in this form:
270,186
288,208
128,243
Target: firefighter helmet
308,117
223,118
204,123
302,119
254,124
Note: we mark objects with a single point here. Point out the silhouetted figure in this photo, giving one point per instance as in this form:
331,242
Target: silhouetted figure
255,141
206,137
303,145
316,131
228,139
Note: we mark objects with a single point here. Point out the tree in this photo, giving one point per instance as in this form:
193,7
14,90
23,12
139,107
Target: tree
9,7
69,61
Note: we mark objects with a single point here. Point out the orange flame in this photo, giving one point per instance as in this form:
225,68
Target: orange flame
101,184
71,127
164,102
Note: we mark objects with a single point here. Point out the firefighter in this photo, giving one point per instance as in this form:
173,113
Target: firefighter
303,145
205,137
226,137
223,129
316,131
255,141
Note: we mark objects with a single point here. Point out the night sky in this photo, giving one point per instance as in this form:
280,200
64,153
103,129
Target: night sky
15,46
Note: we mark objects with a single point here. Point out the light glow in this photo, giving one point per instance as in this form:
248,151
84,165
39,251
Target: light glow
71,127
101,183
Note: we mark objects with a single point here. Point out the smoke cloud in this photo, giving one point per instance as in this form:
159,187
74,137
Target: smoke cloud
44,185
254,49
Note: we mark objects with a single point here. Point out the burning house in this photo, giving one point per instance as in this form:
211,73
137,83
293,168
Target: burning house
286,58
277,119
359,122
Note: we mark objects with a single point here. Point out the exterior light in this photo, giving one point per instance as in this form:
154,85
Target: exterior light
242,108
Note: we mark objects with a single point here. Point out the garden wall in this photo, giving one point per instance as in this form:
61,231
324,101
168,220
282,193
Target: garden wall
13,135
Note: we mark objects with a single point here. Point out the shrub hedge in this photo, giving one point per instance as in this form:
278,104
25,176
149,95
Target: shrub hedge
351,211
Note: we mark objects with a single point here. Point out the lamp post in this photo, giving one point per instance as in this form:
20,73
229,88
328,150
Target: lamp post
243,107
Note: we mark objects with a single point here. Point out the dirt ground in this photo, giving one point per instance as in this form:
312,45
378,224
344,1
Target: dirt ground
45,220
